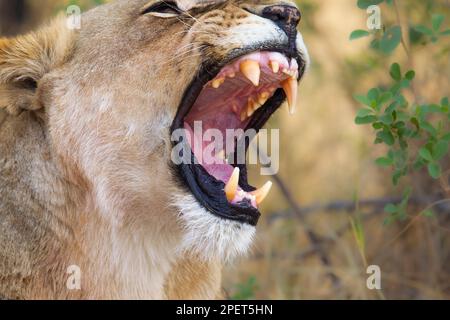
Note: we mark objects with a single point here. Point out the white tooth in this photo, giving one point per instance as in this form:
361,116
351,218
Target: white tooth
275,66
251,71
290,87
232,185
263,97
262,192
217,83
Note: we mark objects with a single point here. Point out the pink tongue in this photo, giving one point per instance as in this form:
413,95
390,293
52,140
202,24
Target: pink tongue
216,168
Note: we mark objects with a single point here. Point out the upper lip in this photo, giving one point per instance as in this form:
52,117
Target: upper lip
192,173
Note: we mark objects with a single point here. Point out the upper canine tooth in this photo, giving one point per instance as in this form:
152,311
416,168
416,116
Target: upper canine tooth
217,83
290,87
251,71
232,185
262,192
275,66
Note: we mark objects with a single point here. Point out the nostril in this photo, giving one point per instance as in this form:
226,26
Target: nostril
275,17
286,14
287,18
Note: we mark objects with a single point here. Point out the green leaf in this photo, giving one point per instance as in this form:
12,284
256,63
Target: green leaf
391,39
387,119
366,120
391,208
440,149
445,33
385,97
396,72
379,125
387,137
436,21
357,34
410,75
373,94
384,162
425,154
446,137
424,30
434,169
362,99
428,127
364,113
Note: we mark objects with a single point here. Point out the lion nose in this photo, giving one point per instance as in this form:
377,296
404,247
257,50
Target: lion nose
287,17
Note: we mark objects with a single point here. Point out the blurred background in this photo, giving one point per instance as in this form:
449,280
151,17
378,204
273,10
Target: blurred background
324,222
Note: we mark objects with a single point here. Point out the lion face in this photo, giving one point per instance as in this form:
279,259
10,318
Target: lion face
137,72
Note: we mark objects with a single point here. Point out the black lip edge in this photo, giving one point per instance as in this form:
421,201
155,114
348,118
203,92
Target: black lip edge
210,192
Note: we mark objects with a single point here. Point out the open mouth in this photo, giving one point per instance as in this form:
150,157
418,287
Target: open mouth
232,98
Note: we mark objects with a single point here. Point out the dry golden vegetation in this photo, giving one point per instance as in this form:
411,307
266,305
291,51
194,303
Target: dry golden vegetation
318,236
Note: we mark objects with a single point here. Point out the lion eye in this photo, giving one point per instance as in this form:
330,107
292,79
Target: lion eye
163,9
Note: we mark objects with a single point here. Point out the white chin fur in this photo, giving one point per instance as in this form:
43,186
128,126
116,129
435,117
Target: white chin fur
208,236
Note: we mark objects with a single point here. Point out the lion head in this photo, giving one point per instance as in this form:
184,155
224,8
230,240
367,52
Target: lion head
111,94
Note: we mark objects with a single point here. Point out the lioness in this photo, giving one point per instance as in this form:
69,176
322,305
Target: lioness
89,191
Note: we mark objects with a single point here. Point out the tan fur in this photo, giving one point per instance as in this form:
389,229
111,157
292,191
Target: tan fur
85,147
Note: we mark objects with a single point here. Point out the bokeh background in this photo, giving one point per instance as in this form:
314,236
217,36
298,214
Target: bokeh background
324,222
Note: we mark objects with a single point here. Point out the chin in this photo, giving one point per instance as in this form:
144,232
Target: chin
210,237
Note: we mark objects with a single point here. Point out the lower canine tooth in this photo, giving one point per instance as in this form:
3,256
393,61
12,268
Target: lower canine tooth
251,71
232,185
290,87
262,192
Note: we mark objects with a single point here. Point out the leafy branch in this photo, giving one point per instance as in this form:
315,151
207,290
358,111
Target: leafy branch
399,124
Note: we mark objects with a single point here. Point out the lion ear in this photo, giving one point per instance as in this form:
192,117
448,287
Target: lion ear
25,60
